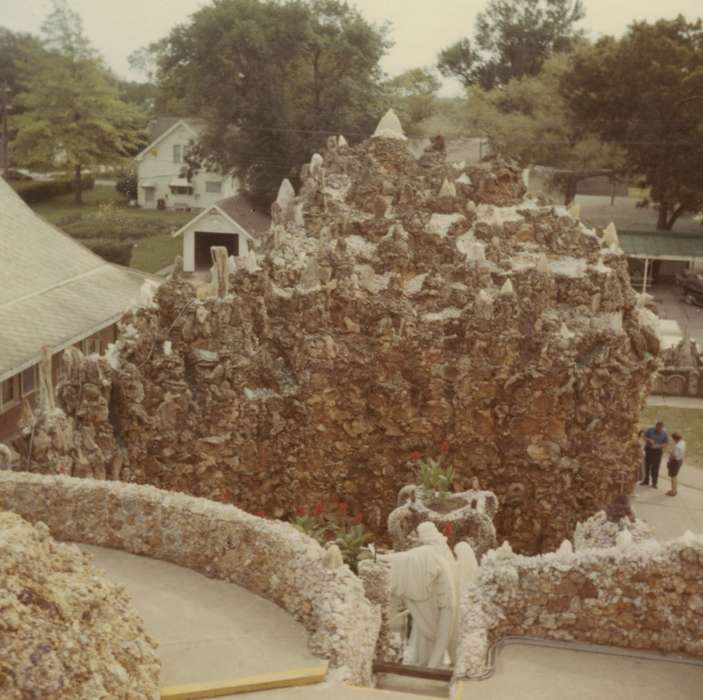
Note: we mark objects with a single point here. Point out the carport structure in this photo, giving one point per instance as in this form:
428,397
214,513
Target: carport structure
656,255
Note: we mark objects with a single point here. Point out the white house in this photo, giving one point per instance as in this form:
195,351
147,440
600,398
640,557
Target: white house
232,222
159,172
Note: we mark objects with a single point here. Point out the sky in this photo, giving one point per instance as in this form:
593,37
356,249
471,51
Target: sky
420,28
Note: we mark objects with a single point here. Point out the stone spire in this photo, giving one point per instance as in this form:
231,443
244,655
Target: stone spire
220,273
610,236
389,127
46,382
286,194
448,189
574,211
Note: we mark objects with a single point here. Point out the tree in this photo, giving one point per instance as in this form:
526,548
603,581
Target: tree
72,116
645,92
414,94
12,46
529,119
271,79
513,38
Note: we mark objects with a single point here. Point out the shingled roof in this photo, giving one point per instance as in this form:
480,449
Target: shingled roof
254,221
54,291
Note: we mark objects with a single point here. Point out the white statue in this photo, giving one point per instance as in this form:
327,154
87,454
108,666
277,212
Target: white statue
425,578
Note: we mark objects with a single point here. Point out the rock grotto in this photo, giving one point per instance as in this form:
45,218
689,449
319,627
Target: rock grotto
397,303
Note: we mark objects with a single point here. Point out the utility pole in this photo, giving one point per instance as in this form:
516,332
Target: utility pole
4,92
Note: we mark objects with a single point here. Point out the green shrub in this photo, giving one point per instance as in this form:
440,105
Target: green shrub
85,227
126,185
336,525
435,478
352,540
118,253
36,191
68,220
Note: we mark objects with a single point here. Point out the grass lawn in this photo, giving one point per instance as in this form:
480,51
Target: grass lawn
149,229
155,252
687,421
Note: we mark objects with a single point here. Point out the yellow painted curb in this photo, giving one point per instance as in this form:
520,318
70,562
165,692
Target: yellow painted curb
266,681
390,693
459,692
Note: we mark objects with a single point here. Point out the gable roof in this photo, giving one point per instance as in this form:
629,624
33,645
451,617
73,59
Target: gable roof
191,125
239,211
240,208
158,125
54,291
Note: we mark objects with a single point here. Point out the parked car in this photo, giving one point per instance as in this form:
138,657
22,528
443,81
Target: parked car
692,288
17,175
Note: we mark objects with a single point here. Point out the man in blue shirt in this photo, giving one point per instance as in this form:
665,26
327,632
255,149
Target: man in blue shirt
655,440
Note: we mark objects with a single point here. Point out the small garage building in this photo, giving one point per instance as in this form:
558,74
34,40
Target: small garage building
232,223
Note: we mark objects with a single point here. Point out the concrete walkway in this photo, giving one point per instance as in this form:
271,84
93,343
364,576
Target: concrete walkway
675,401
533,673
671,517
207,630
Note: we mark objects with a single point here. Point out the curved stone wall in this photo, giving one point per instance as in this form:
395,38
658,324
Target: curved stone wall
270,558
637,596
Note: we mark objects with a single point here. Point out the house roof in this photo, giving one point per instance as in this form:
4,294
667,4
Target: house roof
239,211
240,208
159,125
662,245
54,291
193,125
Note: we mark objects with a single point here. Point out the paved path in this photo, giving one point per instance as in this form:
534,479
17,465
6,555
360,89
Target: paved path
671,517
207,630
670,305
675,401
533,673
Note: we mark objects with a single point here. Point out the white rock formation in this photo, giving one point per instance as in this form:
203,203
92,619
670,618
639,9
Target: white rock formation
390,127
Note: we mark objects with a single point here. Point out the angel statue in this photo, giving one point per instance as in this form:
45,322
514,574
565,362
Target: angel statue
429,580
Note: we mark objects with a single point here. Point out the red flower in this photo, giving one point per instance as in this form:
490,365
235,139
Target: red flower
343,507
415,457
448,530
444,447
260,514
319,509
301,511
356,520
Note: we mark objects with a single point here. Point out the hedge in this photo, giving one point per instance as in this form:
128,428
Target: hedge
41,190
119,253
121,231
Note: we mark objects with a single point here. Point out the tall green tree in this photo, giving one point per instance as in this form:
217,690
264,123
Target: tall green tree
271,80
512,39
413,94
645,93
72,114
529,119
12,46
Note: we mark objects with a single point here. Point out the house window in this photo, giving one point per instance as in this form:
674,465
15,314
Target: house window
177,154
9,392
29,381
92,345
213,186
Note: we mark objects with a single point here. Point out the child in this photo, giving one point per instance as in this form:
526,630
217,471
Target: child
675,461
